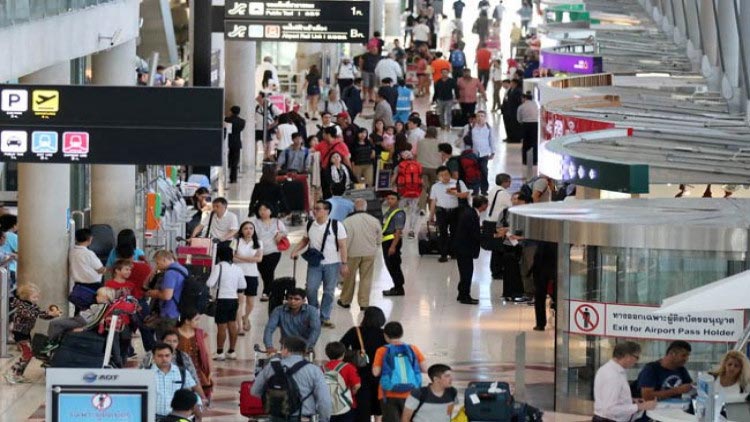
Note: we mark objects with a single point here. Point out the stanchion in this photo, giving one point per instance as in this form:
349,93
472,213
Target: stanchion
520,391
4,312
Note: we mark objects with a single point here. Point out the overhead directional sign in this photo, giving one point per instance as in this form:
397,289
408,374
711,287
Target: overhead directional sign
298,21
111,125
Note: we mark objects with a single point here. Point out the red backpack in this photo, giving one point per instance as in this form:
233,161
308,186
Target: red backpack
409,179
123,307
469,170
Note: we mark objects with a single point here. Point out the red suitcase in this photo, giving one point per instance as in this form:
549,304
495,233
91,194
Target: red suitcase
250,406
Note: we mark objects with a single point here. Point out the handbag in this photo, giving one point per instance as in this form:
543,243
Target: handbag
313,256
211,306
283,243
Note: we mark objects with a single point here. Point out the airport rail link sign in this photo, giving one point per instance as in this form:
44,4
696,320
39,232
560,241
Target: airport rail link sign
640,322
111,125
331,21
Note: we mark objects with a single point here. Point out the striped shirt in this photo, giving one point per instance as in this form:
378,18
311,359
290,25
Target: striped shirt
167,384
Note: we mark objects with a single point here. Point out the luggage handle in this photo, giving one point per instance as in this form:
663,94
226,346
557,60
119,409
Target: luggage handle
110,342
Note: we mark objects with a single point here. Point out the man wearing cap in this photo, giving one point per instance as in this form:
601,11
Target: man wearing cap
394,220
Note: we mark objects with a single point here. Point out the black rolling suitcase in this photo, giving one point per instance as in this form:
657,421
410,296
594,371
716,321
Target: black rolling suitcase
374,205
432,119
429,240
458,119
85,350
295,189
488,402
281,287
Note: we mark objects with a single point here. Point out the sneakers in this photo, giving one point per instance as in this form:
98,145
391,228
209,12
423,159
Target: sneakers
411,235
264,298
232,355
220,357
328,324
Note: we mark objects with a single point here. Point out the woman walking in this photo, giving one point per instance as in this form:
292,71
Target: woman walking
248,252
271,230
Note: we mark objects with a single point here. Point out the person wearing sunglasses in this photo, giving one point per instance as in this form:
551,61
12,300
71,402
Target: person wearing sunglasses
295,319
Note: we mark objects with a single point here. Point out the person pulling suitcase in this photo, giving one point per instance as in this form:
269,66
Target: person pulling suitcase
295,319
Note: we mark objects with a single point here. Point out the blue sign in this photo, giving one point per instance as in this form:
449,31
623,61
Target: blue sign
44,142
97,407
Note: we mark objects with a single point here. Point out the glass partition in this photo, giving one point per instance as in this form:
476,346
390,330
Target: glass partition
636,277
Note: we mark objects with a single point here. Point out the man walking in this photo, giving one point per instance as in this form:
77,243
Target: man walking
295,318
467,248
499,201
469,90
364,241
444,197
612,397
484,61
394,221
403,102
352,96
236,125
483,144
446,92
169,379
328,238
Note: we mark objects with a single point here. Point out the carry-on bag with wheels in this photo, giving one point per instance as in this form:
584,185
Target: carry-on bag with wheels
432,119
488,402
250,406
89,349
296,192
429,240
280,287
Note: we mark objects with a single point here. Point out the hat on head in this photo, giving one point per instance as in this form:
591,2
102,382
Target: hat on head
343,115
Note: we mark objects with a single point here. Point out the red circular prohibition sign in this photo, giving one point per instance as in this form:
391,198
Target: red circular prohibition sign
592,323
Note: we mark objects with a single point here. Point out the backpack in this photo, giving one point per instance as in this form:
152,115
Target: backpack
528,187
341,396
195,293
401,372
409,179
282,397
123,307
469,170
458,59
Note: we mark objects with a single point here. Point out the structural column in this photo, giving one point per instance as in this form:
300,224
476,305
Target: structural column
708,32
239,68
43,201
377,16
730,43
113,186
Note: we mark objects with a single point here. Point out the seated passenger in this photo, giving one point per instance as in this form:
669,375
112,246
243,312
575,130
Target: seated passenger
85,320
295,319
733,375
667,377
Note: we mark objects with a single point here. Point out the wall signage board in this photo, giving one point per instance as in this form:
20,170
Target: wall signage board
111,125
640,322
578,63
297,21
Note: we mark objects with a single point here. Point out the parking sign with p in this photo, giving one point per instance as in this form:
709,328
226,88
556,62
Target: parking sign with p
14,101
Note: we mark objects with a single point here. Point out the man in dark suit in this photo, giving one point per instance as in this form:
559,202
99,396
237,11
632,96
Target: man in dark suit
467,247
235,141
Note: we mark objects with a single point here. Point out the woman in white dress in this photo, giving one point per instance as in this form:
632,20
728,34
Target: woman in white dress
248,252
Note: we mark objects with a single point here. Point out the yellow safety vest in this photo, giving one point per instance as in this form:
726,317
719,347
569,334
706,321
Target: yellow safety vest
388,223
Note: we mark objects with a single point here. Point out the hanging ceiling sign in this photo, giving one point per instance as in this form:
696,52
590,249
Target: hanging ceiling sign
329,21
110,125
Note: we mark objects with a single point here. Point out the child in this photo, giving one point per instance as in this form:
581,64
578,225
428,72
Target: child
27,311
335,352
120,283
86,319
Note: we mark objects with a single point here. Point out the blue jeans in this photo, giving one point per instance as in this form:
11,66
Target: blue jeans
328,274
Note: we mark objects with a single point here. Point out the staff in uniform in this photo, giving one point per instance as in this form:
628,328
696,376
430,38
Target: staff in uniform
394,221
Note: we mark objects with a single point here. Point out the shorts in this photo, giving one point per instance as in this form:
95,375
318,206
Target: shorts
368,80
19,336
226,310
313,90
252,286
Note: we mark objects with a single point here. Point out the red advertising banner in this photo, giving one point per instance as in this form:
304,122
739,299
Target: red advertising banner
555,125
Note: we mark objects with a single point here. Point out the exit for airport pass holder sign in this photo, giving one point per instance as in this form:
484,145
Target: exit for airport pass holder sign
329,21
111,125
640,322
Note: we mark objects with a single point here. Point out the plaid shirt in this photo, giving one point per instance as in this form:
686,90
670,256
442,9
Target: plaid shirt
167,384
26,315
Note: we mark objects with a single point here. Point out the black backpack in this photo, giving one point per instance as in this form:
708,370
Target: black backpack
282,398
195,293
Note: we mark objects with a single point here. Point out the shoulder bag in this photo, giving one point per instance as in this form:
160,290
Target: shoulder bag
211,306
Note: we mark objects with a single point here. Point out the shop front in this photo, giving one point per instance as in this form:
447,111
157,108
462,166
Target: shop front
617,260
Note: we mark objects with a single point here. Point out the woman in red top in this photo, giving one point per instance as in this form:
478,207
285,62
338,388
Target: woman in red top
335,352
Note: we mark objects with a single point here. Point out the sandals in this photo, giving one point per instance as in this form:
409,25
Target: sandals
246,323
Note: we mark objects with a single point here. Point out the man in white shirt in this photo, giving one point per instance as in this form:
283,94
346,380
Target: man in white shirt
414,134
444,196
328,237
85,267
612,397
500,200
421,33
528,117
388,68
284,132
483,143
219,224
